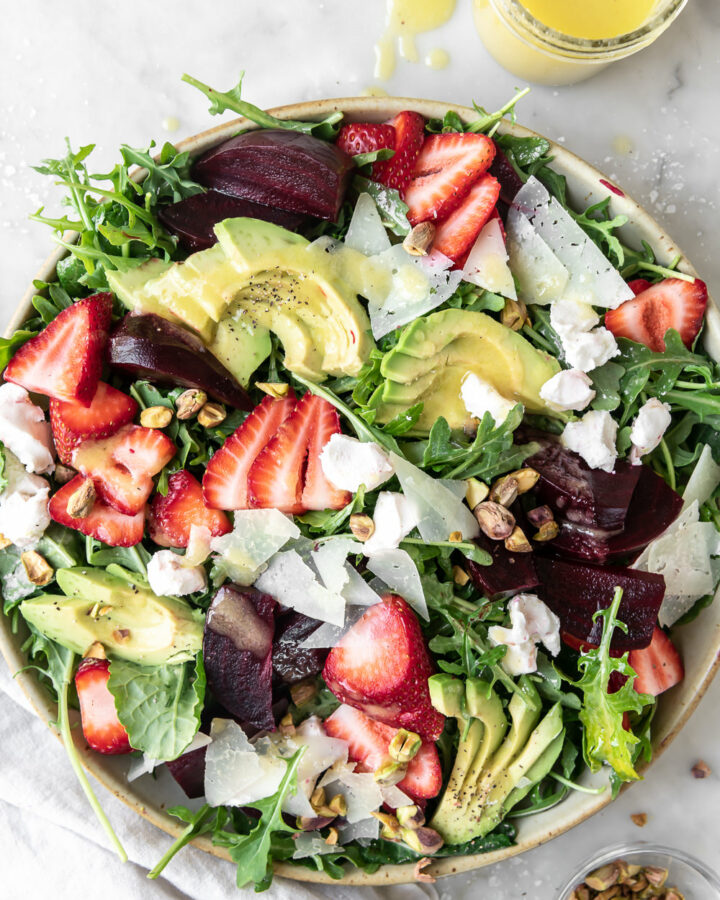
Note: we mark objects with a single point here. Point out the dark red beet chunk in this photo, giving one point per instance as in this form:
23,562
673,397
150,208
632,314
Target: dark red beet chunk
575,591
284,169
291,663
508,572
151,347
189,772
192,219
237,652
510,182
578,494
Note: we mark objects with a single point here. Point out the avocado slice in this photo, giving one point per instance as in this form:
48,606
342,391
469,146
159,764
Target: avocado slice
434,354
535,774
239,347
129,621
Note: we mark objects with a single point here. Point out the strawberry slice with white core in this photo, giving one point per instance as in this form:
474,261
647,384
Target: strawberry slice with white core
102,522
64,361
445,170
368,742
225,482
365,137
455,235
381,666
275,480
172,516
672,303
397,171
100,723
73,423
317,492
658,666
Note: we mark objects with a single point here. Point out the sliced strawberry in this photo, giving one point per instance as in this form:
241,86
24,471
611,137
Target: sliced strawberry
368,741
638,285
671,303
225,482
365,137
73,423
318,493
397,171
171,516
100,724
658,666
122,465
275,480
445,170
103,522
65,359
456,234
381,666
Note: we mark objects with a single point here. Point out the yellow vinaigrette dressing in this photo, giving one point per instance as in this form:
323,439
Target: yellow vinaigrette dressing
592,19
405,20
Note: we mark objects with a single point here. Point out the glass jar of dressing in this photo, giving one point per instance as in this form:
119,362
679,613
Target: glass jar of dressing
565,41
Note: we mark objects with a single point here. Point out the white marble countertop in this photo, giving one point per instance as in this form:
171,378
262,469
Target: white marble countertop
110,73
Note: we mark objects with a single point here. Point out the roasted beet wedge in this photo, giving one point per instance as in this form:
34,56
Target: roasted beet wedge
237,652
189,772
192,219
575,492
509,179
151,347
291,663
284,169
575,591
508,572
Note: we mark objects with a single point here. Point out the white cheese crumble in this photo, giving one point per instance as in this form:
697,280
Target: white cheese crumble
648,428
570,317
593,437
394,518
23,505
168,576
591,349
532,623
348,463
569,389
480,397
23,429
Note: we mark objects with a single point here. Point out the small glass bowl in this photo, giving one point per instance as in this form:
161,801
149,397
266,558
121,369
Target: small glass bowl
691,876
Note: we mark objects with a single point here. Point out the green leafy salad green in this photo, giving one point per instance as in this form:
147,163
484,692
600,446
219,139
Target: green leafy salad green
528,716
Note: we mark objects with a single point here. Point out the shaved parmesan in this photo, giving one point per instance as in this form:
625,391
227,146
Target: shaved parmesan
441,511
311,843
357,592
199,546
397,570
540,276
328,635
704,479
329,560
236,772
321,752
394,518
293,583
593,279
257,534
362,794
364,830
366,232
487,263
393,796
143,765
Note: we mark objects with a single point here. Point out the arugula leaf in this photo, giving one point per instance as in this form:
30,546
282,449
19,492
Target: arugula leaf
393,210
597,223
199,822
604,738
134,558
364,159
159,706
168,176
8,346
220,102
3,477
488,122
329,521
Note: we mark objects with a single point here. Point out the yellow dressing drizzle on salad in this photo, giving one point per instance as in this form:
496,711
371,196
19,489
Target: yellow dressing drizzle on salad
405,20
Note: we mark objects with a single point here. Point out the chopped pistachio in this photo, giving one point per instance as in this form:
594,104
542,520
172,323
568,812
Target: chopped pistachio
317,798
410,816
505,490
460,576
548,531
275,389
495,521
476,491
455,537
156,417
540,515
656,875
404,746
639,819
362,526
81,501
212,415
63,474
526,478
303,691
390,771
603,878
4,542
701,769
514,314
332,837
95,651
516,542
313,823
420,874
38,569
286,724
121,635
390,824
189,403
338,805
419,240
422,840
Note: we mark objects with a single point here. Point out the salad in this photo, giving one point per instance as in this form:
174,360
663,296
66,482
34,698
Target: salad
353,475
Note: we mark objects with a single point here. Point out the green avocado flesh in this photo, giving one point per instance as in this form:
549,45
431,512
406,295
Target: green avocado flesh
495,766
436,352
130,622
257,280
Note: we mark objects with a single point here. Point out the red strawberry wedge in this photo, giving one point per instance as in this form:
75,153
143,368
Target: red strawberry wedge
365,137
100,724
368,741
445,170
638,285
65,359
397,171
225,482
318,493
455,235
381,667
672,303
103,522
275,479
73,423
658,666
171,516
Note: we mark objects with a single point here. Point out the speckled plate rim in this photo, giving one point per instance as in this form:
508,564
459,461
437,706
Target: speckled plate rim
699,641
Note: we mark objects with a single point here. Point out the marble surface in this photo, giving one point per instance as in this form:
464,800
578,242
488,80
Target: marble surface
110,73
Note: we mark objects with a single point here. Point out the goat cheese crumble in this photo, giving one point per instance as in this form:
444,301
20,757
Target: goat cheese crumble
168,576
23,505
569,389
532,623
480,396
24,431
348,463
593,437
651,423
